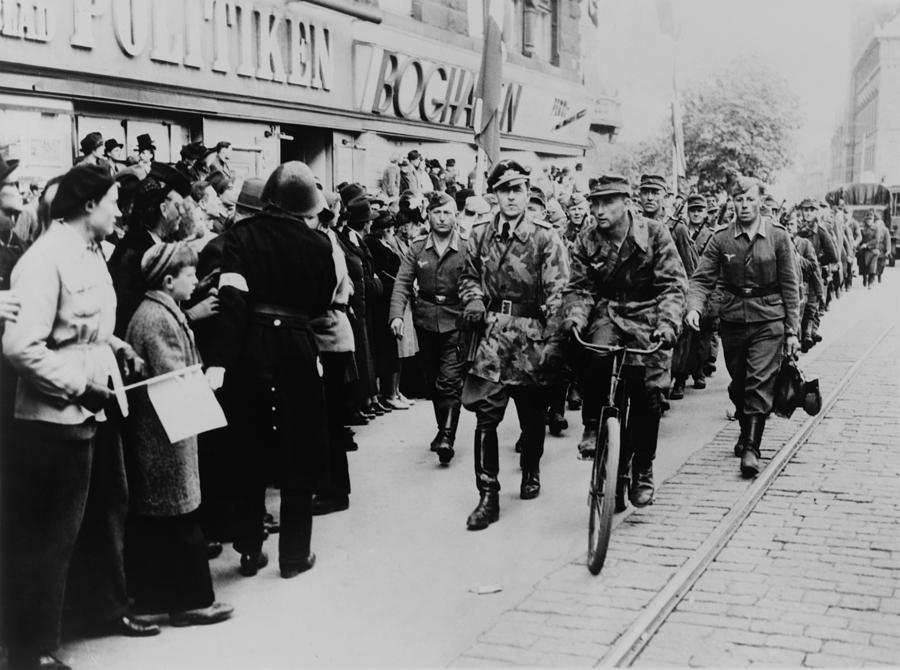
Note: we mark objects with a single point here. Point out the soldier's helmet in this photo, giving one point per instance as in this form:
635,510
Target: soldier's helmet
506,172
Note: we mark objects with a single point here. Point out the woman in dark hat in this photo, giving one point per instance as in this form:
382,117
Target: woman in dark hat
146,150
66,432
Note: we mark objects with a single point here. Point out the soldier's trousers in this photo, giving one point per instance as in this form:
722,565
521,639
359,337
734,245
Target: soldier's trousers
488,400
753,354
442,365
810,322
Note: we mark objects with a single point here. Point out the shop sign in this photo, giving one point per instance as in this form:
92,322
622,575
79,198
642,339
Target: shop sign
411,87
250,47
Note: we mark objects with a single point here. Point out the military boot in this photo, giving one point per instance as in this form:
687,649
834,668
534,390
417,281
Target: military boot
646,436
622,484
530,462
750,456
588,444
744,436
486,469
677,392
447,434
440,418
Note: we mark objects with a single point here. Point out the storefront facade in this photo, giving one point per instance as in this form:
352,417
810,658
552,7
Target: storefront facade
280,80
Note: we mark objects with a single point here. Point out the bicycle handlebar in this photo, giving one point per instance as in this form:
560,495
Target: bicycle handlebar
609,348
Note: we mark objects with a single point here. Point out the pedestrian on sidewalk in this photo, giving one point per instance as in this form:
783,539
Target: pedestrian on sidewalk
516,271
760,320
435,262
64,490
166,559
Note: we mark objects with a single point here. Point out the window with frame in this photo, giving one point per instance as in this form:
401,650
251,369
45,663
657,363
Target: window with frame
532,29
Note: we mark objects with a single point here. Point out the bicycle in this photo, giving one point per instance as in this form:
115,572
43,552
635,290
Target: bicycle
605,467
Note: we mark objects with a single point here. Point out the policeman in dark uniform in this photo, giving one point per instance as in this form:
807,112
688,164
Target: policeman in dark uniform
753,258
516,271
435,261
277,275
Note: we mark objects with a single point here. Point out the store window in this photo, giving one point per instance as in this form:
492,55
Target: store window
167,137
532,29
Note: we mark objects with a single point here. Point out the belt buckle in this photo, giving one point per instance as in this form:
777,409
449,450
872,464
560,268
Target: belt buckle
747,290
506,307
439,299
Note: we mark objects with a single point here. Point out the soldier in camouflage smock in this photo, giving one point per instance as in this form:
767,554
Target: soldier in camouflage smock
628,288
516,270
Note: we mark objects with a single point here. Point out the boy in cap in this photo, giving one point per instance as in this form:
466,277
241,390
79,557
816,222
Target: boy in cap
627,288
516,270
168,569
753,258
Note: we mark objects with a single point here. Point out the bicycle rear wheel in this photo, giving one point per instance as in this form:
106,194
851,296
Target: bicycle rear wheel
602,494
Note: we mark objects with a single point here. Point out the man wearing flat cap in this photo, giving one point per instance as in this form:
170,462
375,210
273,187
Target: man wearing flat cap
516,270
753,259
435,262
627,288
278,274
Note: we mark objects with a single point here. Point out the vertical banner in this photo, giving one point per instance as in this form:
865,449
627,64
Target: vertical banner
490,81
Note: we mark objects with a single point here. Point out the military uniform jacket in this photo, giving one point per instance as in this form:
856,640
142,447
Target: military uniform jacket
822,242
531,268
437,306
640,286
700,238
763,265
808,266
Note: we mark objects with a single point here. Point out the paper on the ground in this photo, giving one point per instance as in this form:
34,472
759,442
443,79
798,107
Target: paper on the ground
485,590
185,404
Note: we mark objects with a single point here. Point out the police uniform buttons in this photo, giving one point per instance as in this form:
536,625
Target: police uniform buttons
276,322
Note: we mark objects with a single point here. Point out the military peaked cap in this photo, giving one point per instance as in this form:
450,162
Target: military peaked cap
505,172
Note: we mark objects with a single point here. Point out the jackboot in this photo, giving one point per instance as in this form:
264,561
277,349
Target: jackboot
750,456
677,392
557,423
744,436
622,484
530,463
588,444
441,410
447,434
486,469
646,436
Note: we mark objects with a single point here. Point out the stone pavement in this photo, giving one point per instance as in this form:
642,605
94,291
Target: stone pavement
812,577
572,618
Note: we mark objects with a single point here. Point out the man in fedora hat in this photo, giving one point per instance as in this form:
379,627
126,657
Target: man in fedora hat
627,288
278,274
516,270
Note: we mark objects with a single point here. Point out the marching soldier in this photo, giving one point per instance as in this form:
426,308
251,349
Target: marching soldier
516,270
811,287
436,261
826,252
277,275
753,258
691,361
627,287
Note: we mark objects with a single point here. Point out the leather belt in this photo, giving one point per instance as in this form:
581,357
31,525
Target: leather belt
752,291
437,299
629,295
338,307
524,309
278,315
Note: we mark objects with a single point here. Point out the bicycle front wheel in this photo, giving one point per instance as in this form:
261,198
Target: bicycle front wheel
602,495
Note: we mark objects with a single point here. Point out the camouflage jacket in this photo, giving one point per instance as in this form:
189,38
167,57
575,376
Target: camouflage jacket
640,287
531,269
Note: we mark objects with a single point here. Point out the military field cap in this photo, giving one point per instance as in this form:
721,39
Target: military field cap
80,185
807,203
91,142
575,200
505,172
438,199
743,184
537,195
477,205
654,181
111,144
611,184
696,202
250,198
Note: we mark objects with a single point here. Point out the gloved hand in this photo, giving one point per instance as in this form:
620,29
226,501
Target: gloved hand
397,327
96,397
664,335
693,319
131,365
204,309
474,313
